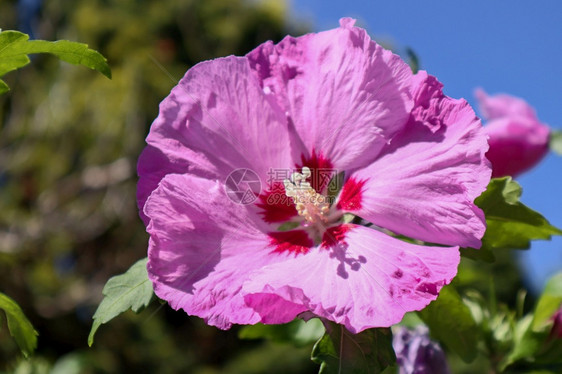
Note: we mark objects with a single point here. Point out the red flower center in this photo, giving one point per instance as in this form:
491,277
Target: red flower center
301,201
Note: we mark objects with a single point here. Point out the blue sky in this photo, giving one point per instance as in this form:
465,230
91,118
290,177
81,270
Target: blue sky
512,47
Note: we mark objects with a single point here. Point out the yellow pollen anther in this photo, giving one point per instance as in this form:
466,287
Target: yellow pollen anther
309,204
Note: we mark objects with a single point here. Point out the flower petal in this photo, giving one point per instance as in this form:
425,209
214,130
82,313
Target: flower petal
202,247
155,162
503,105
425,182
345,94
218,105
369,280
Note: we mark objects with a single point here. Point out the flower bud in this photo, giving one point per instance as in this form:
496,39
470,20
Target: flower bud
517,139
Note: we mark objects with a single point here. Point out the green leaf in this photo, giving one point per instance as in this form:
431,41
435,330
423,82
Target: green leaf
297,332
19,326
340,351
15,46
526,343
413,60
131,290
556,142
3,87
511,224
451,322
325,354
549,302
482,254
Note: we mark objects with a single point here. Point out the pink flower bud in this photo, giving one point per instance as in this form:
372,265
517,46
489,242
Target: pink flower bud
518,140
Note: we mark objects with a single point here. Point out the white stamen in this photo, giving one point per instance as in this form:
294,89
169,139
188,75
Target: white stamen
309,204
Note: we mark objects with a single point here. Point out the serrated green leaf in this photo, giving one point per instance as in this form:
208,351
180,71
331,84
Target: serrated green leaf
511,224
131,290
297,332
15,46
451,323
549,302
340,351
555,142
20,328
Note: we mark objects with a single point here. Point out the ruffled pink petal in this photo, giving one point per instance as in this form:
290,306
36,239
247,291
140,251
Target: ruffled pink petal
202,248
274,309
155,163
369,280
217,119
346,96
503,105
424,184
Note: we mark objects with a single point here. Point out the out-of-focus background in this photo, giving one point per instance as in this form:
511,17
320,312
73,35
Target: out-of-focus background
69,140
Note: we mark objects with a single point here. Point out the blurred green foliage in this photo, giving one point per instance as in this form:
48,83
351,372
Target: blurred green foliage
69,140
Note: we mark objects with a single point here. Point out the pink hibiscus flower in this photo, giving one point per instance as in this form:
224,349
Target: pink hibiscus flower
288,117
518,140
